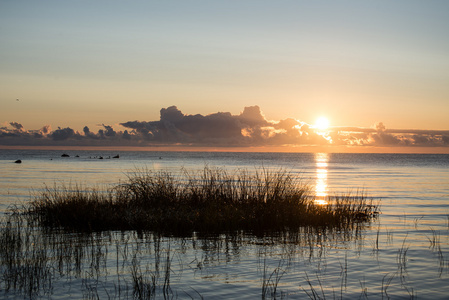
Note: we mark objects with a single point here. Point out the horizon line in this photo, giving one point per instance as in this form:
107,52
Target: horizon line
260,149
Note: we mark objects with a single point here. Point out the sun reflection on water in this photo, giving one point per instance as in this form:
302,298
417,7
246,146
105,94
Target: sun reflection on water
321,161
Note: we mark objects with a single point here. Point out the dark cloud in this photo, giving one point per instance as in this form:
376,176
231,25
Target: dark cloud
62,134
16,125
383,139
288,124
109,131
126,135
45,130
445,139
224,129
252,116
171,114
248,128
174,126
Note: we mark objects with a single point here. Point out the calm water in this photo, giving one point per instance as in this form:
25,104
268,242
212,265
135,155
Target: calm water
403,254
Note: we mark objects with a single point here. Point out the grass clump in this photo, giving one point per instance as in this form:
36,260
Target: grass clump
211,200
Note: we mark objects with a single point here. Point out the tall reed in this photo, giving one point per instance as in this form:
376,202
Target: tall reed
211,200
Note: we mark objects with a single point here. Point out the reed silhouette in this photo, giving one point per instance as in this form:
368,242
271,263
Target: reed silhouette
211,200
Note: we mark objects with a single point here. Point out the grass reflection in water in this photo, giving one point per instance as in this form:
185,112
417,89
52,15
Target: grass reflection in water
156,235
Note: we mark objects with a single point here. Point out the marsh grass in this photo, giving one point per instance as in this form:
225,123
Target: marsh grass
24,267
270,282
211,200
31,260
73,233
35,263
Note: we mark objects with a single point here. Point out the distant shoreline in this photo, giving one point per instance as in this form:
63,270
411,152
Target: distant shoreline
280,149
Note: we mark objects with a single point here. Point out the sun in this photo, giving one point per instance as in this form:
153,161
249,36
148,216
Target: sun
322,123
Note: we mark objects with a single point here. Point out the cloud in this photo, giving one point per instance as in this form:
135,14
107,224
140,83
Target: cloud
16,125
252,116
248,128
45,130
62,134
109,131
379,135
176,127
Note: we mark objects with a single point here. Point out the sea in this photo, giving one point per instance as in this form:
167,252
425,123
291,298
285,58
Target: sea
402,254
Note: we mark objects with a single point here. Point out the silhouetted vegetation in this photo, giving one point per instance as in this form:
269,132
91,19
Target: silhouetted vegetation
52,243
211,200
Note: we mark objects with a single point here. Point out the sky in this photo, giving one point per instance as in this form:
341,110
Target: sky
225,73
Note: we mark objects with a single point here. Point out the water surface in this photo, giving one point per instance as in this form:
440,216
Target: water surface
403,254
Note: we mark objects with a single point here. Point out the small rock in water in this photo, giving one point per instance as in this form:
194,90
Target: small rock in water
18,161
65,155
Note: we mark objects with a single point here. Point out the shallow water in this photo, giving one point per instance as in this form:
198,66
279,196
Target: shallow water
403,254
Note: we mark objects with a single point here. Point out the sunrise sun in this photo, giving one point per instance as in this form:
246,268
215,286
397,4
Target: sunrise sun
322,123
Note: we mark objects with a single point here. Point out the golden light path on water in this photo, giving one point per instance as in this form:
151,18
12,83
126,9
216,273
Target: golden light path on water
321,161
